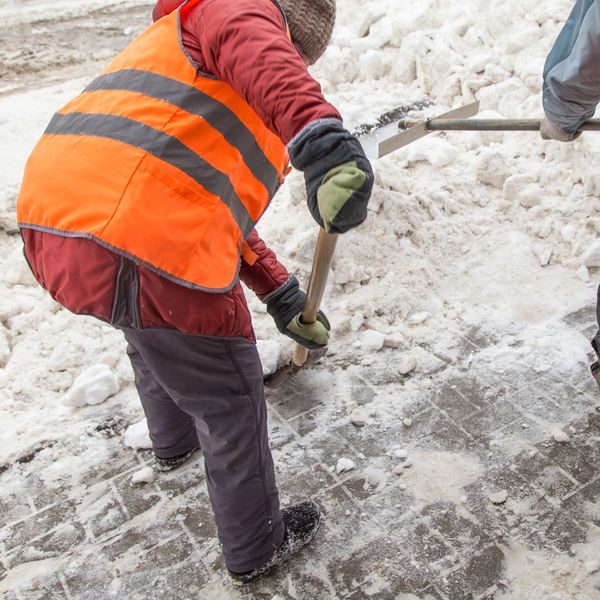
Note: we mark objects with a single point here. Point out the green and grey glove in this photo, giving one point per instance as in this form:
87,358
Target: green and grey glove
337,173
336,189
285,305
551,131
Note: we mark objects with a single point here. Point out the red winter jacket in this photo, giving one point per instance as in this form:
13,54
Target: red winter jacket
224,38
245,43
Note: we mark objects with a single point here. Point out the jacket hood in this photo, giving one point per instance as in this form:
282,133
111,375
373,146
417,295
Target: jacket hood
165,7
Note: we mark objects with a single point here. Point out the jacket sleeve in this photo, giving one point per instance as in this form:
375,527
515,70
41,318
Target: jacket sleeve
245,43
266,274
571,88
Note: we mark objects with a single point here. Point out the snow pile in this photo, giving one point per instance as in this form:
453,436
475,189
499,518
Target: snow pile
269,352
93,386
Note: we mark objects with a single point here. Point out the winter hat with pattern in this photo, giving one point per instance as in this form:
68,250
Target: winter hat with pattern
311,23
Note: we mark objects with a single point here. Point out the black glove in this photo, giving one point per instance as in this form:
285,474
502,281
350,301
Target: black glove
335,165
285,305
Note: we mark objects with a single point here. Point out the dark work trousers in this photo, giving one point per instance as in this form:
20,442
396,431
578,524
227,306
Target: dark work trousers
209,391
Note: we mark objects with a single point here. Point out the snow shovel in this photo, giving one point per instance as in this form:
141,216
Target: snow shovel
370,136
415,129
386,139
375,141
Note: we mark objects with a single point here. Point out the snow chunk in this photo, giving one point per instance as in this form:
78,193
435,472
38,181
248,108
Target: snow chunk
372,340
356,322
145,475
591,257
531,196
583,274
428,363
498,497
394,340
137,436
543,253
4,346
592,566
375,478
559,435
407,364
269,352
434,150
493,168
515,185
92,386
399,469
343,465
347,271
568,232
419,318
359,417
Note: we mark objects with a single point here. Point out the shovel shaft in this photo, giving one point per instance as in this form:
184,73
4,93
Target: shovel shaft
497,125
316,287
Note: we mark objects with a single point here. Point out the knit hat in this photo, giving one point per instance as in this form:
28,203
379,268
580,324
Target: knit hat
311,23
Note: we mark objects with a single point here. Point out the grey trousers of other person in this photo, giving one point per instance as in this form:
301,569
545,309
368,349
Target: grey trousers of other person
209,391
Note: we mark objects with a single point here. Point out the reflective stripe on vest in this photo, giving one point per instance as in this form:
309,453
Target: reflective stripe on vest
158,162
196,102
162,146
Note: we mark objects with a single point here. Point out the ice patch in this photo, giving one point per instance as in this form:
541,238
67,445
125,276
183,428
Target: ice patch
441,476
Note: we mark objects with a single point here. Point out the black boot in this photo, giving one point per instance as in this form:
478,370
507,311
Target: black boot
168,464
301,522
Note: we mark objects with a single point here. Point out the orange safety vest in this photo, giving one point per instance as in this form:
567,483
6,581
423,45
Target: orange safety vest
158,162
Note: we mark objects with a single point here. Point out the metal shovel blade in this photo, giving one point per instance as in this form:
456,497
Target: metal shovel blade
402,138
387,125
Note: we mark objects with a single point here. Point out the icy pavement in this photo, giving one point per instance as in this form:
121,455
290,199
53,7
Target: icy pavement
456,490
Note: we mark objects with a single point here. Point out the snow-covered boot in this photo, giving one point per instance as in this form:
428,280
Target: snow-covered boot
301,522
168,464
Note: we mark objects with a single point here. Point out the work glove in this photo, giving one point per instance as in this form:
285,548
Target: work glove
338,175
551,131
285,305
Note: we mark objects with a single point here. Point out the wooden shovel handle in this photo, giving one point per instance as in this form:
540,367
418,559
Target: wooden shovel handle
324,251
